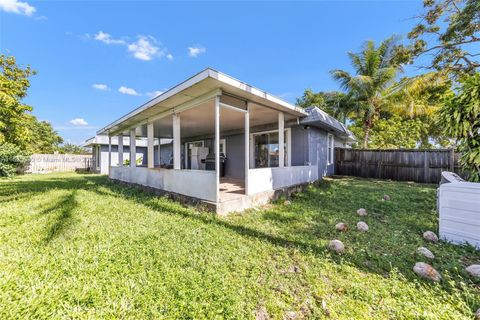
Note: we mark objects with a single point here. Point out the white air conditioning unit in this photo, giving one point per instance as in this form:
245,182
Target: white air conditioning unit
459,210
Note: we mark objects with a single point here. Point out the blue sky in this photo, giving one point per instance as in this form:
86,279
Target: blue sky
97,60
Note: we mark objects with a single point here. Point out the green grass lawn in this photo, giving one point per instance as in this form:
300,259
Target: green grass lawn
80,246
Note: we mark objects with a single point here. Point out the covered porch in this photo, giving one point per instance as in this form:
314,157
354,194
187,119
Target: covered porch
227,140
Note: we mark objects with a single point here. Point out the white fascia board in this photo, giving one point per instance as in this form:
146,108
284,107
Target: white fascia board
167,94
221,77
253,90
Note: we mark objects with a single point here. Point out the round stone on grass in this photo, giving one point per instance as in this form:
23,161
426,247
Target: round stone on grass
337,246
362,212
426,271
341,227
474,270
430,236
425,252
362,226
386,197
287,202
477,315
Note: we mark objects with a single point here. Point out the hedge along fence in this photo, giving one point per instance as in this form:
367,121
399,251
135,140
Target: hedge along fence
44,163
396,164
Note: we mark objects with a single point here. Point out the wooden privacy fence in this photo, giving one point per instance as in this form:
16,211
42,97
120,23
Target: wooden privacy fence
396,164
43,163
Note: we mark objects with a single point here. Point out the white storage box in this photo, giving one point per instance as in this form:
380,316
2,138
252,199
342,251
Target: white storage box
459,210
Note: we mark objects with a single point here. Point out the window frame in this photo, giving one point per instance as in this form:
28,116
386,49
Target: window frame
287,141
330,148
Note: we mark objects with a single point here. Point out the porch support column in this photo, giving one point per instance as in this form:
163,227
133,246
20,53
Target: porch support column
176,142
133,148
109,152
247,146
281,139
217,147
158,152
120,150
150,143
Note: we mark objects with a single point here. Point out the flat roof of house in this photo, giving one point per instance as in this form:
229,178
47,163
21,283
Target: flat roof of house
201,83
103,140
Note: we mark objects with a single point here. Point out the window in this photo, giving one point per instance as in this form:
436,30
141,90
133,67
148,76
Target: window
266,149
330,148
223,147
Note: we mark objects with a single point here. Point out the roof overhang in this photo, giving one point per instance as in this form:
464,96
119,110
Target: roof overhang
103,140
199,85
320,119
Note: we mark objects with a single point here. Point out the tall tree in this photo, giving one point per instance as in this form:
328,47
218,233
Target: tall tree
420,98
375,69
14,82
335,103
449,32
17,125
460,117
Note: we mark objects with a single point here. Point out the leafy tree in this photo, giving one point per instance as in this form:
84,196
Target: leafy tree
70,148
446,31
393,132
43,138
420,95
11,159
420,98
460,118
375,71
17,125
311,99
337,104
14,83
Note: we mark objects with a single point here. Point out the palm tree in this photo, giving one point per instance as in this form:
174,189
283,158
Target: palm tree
375,71
420,95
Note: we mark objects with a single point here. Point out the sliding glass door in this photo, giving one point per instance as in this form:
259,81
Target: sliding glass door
266,149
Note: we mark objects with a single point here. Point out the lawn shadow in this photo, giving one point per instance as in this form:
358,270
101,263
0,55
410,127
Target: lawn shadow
63,210
308,207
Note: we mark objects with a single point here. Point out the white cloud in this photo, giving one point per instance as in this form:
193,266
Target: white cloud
107,38
79,122
145,49
129,91
100,86
18,7
154,94
195,51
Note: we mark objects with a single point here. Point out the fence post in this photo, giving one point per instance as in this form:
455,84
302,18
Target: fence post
425,167
452,160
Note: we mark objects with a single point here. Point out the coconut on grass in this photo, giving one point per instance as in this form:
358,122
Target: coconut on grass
473,270
430,236
426,271
336,246
362,226
425,252
341,226
362,212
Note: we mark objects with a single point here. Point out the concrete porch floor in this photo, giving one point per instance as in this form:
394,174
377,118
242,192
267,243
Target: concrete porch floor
231,189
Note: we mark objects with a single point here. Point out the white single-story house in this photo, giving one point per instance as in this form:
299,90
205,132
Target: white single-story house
233,146
99,146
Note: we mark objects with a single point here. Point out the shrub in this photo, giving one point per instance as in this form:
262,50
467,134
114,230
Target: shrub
11,159
460,118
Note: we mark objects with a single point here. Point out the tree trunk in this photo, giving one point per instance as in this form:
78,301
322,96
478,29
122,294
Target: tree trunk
366,131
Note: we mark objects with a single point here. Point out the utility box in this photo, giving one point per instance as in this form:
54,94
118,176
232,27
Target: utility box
459,210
